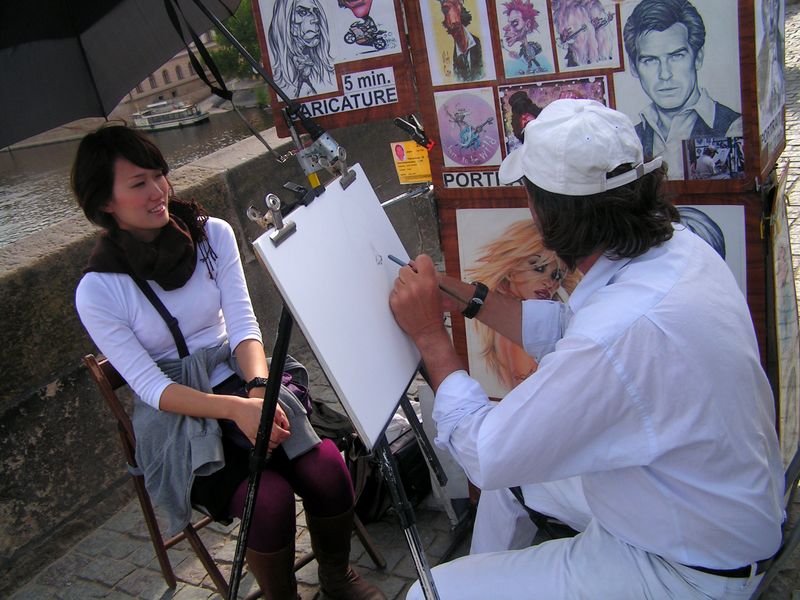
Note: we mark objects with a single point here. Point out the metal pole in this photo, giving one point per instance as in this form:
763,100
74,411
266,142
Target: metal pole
258,457
406,514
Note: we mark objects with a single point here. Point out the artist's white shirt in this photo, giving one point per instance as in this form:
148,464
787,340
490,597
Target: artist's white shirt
128,330
650,388
669,144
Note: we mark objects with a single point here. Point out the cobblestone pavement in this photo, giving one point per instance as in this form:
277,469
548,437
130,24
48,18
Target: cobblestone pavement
117,561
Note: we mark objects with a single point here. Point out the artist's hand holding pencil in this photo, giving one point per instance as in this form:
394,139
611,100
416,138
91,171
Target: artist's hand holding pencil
417,303
416,300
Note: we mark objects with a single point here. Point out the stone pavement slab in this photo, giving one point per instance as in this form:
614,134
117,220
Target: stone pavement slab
117,561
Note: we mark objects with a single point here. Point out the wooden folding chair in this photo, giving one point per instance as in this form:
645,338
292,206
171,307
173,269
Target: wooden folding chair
109,380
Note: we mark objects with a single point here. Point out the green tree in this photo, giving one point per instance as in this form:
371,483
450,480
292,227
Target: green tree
243,27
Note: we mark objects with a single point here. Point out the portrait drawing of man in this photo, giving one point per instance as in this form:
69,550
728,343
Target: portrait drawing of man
664,41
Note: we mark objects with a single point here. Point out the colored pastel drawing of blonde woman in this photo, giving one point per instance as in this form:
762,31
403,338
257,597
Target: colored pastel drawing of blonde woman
517,264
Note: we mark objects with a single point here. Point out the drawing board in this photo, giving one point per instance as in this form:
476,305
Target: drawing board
335,278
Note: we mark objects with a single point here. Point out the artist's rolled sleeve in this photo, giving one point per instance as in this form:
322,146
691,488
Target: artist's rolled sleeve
543,324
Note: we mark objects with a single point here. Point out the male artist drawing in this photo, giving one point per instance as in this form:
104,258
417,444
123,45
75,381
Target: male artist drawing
664,40
649,425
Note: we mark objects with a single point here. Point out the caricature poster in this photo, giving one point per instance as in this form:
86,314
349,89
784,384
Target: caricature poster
525,38
469,133
459,42
586,34
693,62
344,60
521,103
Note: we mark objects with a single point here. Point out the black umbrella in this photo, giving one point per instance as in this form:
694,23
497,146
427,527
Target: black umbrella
62,60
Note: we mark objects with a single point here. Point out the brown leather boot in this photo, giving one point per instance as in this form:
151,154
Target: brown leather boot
274,572
330,540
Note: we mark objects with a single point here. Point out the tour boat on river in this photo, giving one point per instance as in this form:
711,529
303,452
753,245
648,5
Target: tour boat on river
166,115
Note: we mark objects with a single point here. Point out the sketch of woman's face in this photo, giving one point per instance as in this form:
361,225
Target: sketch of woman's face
305,23
536,279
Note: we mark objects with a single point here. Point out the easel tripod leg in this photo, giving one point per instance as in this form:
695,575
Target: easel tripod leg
407,520
259,455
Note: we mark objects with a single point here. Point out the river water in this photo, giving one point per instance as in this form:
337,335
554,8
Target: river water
34,182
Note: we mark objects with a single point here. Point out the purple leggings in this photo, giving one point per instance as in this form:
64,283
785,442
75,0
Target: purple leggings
319,477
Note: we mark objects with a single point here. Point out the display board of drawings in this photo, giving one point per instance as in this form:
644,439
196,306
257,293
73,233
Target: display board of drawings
344,62
673,66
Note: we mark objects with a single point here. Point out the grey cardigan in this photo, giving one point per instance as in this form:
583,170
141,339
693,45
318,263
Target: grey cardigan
172,449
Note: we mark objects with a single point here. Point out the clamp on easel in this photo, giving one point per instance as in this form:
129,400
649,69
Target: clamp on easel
272,218
323,153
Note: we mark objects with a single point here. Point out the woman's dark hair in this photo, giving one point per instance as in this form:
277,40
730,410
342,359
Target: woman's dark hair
92,177
625,221
521,104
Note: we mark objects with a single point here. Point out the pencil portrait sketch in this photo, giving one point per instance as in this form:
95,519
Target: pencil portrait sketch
667,43
300,49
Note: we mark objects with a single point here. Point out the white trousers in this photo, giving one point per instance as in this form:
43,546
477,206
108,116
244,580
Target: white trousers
592,565
501,523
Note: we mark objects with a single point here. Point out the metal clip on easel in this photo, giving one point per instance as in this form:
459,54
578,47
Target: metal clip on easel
272,218
323,153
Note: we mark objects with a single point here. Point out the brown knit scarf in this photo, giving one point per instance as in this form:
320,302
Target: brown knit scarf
169,260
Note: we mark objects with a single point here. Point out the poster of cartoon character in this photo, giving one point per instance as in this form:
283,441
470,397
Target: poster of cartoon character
586,34
364,29
520,104
502,248
681,55
468,127
459,41
525,37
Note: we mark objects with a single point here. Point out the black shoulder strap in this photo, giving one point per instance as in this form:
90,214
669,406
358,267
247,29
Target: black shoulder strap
172,322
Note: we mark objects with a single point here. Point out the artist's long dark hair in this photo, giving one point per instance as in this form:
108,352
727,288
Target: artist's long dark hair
624,222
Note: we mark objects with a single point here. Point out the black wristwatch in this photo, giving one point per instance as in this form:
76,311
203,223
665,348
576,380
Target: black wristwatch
476,302
254,383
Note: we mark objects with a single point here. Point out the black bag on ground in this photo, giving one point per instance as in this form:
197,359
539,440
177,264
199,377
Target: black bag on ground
373,497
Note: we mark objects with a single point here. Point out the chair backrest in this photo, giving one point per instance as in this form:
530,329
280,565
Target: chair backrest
109,380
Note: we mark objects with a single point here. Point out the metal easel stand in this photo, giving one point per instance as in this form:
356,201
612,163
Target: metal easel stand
259,457
405,512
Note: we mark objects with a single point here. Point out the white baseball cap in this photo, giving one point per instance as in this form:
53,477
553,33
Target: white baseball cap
571,147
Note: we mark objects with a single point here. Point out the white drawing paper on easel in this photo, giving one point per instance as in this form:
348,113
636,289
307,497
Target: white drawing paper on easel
335,278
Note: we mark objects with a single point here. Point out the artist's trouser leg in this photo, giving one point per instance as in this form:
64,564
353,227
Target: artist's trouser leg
501,523
592,565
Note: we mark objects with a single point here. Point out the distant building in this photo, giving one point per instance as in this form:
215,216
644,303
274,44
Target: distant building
175,80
